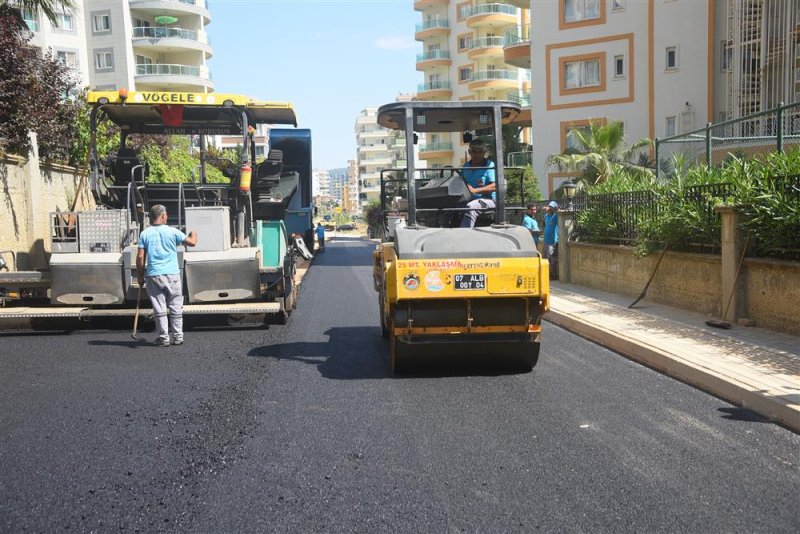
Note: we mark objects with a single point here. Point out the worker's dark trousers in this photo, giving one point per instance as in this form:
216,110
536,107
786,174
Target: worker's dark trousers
166,294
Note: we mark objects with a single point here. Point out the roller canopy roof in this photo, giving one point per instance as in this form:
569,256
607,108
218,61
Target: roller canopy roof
447,116
198,113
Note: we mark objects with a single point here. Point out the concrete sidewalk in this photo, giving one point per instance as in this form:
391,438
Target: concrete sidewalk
747,366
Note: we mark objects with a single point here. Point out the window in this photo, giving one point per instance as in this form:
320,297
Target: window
68,59
104,60
465,41
464,10
140,23
143,60
101,23
579,74
571,142
672,58
64,22
671,125
619,66
577,10
465,74
726,56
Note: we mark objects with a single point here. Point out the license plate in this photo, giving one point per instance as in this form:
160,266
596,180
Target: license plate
466,282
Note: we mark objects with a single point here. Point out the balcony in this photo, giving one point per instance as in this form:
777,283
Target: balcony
175,8
493,79
173,77
431,28
523,4
421,5
492,15
436,150
433,58
171,39
434,90
517,50
486,47
524,100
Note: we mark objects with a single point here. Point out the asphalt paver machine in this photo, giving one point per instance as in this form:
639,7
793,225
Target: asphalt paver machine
244,262
467,293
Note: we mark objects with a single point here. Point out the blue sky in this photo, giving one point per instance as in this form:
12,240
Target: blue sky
330,58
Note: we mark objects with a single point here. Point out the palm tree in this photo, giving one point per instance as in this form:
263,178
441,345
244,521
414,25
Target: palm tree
602,152
50,8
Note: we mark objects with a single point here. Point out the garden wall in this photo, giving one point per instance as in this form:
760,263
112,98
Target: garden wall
769,289
28,194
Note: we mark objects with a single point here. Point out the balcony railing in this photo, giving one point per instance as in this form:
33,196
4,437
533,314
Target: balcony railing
435,147
490,9
433,86
150,32
433,24
167,70
496,74
520,34
522,100
433,54
488,42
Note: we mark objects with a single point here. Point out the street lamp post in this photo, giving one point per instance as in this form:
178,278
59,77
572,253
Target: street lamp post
569,192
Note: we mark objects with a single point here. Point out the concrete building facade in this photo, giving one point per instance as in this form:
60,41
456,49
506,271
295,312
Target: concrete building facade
472,50
378,149
661,67
140,45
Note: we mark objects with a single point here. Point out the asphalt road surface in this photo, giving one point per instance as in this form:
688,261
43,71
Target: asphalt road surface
302,428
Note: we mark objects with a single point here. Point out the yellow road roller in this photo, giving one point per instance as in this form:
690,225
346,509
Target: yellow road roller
471,291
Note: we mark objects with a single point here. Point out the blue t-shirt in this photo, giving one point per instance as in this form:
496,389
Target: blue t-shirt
479,177
160,242
320,231
551,228
532,226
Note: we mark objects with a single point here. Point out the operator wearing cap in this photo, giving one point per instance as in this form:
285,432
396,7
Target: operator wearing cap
480,182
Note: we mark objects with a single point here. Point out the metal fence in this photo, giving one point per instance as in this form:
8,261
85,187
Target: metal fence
625,218
622,218
774,130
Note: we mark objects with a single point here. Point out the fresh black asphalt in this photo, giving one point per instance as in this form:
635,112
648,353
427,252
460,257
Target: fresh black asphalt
302,428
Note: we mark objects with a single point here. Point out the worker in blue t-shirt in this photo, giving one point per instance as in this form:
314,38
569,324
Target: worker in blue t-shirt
550,249
320,237
158,248
480,182
529,222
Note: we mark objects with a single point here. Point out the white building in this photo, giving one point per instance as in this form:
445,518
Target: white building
472,50
660,67
320,183
379,149
133,44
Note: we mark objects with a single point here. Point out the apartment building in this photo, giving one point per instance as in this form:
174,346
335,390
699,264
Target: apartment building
661,67
472,50
136,44
378,149
351,202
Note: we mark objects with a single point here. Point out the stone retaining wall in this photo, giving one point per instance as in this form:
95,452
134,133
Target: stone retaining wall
29,192
769,290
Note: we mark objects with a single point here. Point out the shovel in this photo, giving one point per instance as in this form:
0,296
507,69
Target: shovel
136,316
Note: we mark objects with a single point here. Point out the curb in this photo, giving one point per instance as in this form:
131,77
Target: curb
719,385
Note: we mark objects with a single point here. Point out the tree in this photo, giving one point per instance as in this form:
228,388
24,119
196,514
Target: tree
34,94
602,152
50,8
